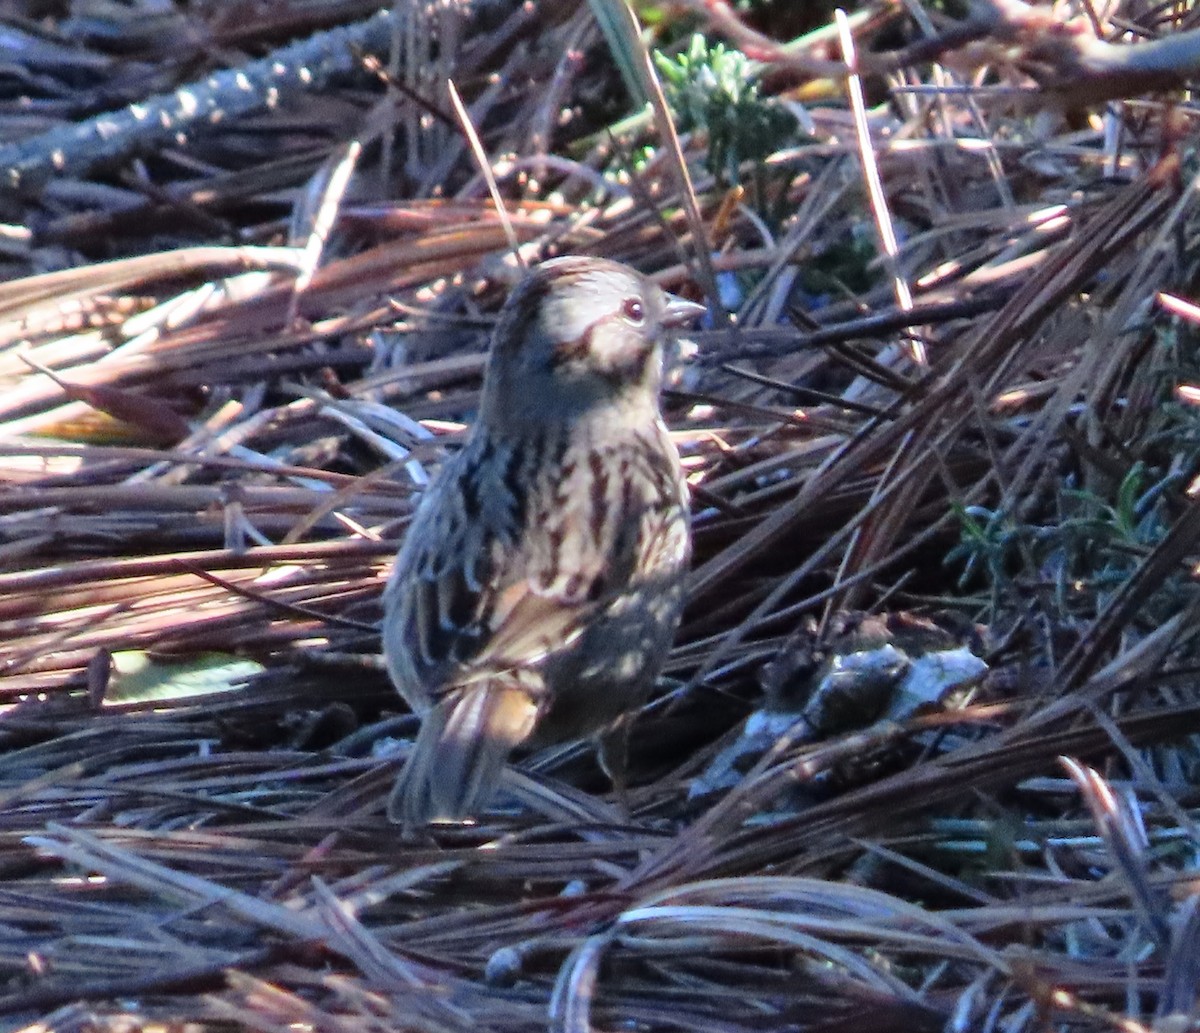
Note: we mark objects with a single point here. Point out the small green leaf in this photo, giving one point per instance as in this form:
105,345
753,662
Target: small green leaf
137,677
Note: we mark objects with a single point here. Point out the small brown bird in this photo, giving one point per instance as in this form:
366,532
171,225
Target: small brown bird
541,582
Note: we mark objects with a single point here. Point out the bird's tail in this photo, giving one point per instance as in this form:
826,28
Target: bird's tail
455,764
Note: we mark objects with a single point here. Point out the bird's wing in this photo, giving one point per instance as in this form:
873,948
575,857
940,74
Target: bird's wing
479,593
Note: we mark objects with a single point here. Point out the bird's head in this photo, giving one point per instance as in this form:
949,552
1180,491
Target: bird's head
579,332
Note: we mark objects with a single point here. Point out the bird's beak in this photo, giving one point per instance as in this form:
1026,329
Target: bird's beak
680,313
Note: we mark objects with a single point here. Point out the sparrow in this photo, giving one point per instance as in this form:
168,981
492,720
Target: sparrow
540,583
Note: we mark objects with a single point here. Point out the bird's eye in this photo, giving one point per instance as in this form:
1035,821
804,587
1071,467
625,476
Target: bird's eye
633,310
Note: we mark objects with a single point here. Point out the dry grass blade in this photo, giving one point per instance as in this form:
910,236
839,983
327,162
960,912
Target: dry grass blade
123,867
625,37
883,218
485,168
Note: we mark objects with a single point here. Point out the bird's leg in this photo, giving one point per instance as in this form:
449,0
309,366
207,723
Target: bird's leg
612,751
